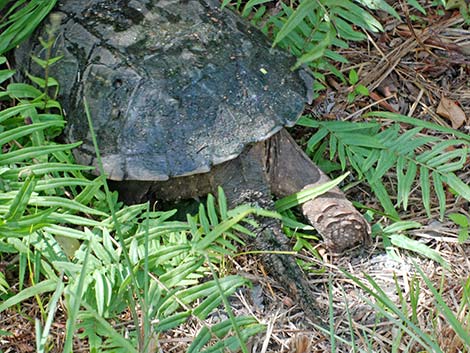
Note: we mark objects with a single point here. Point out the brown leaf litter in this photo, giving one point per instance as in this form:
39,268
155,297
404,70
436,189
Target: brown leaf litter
450,110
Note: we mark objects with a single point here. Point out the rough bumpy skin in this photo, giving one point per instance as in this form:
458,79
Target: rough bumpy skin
174,87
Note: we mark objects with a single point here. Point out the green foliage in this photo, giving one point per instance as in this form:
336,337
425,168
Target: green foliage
413,156
45,286
249,327
447,312
175,270
300,197
396,314
401,316
61,222
393,238
357,89
312,30
42,332
4,286
462,5
20,19
464,224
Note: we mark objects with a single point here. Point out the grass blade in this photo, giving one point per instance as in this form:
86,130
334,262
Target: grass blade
308,194
42,287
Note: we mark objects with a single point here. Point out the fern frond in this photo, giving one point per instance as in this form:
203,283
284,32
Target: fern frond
406,174
309,29
410,155
227,342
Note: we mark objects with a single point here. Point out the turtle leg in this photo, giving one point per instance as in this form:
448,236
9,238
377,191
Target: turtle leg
244,180
333,216
131,191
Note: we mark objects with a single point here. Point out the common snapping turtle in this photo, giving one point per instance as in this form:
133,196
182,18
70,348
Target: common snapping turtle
186,97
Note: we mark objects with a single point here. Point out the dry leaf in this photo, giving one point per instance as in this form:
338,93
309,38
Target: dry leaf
300,344
288,302
450,110
465,49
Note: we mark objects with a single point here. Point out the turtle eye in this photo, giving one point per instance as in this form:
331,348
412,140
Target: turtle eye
117,83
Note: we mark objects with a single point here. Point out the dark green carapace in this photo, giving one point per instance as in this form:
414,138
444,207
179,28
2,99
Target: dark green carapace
173,87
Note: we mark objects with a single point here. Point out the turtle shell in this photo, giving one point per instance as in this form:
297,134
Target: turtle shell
173,87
